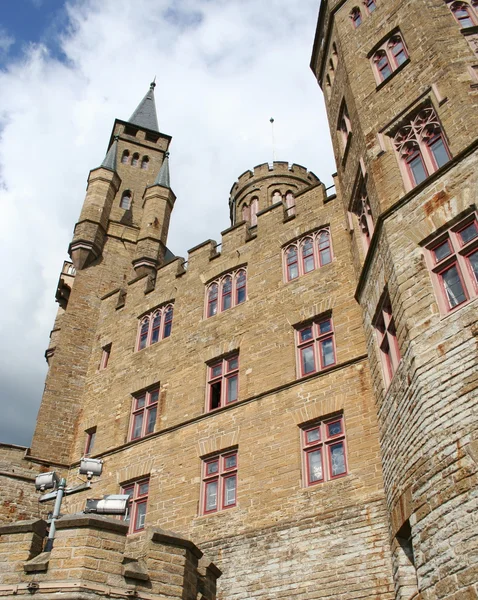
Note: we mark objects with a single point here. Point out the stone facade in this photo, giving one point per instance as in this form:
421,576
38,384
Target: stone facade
427,415
396,520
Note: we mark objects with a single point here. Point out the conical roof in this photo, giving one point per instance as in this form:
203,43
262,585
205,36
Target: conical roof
109,162
162,177
145,113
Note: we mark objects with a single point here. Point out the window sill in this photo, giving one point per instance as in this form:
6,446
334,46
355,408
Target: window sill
469,30
392,75
218,512
317,486
453,311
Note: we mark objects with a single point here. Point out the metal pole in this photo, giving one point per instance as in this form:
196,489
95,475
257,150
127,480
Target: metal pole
56,514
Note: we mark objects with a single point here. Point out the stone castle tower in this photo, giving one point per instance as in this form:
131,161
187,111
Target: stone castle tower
298,399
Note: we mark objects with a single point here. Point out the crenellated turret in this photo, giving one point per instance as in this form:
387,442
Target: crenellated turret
90,231
157,206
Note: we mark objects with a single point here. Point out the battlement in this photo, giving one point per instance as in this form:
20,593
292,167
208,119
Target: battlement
278,167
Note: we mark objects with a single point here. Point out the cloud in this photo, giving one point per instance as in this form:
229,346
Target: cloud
6,41
223,69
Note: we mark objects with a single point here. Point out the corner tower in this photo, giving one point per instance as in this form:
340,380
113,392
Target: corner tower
400,86
121,233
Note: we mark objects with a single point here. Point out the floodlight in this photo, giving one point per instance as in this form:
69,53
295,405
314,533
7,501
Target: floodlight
46,481
114,504
91,467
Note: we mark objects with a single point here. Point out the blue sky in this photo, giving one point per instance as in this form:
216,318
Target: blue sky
223,68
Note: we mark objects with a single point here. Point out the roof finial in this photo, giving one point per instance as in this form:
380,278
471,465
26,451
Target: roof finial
152,85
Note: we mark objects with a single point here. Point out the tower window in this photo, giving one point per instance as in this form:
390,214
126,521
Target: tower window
344,126
249,212
276,197
225,292
370,5
125,201
90,440
105,356
144,412
125,157
307,254
315,346
138,501
421,147
362,210
452,259
219,482
289,204
135,160
465,14
223,382
356,17
323,450
145,162
391,55
155,326
387,338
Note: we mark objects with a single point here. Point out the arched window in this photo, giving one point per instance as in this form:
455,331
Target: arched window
289,203
421,147
145,162
231,289
246,213
380,59
212,300
143,333
254,207
370,5
325,251
126,200
226,293
362,210
344,125
125,157
276,197
292,264
463,14
241,286
308,262
391,55
356,16
155,327
134,162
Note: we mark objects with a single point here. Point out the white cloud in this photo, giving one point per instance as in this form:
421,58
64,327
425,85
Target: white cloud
223,69
6,41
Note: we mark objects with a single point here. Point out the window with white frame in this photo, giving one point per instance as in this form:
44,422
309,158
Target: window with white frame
306,254
324,454
452,258
226,291
219,482
389,57
421,146
138,502
222,382
315,346
144,411
386,333
155,326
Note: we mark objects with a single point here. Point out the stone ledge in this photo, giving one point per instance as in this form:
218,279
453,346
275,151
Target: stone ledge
37,526
93,522
37,564
173,539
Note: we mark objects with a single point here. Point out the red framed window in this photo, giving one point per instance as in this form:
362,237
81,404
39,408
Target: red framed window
138,502
219,482
226,291
155,326
324,451
315,347
362,210
387,338
143,414
464,14
356,17
370,5
307,254
105,356
223,382
453,263
421,147
90,440
386,59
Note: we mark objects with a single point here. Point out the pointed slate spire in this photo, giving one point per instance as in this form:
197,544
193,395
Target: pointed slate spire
109,161
145,113
162,177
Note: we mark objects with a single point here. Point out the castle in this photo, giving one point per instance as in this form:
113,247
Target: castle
299,400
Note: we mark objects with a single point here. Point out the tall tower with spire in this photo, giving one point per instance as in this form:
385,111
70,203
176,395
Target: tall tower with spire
121,233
